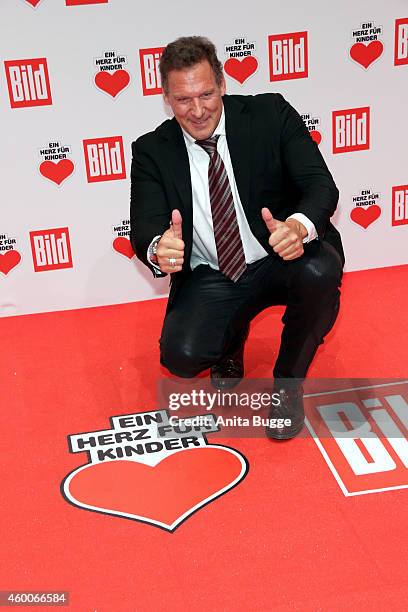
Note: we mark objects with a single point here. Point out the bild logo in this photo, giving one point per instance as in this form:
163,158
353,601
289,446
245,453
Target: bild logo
400,205
28,82
149,68
288,56
104,159
401,42
351,130
51,249
362,434
152,468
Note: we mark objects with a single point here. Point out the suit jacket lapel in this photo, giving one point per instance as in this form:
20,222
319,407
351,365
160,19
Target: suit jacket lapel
176,158
237,126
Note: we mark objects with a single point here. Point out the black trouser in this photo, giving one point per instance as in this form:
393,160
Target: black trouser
210,312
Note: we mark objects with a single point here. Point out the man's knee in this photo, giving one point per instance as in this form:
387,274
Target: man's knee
320,272
180,357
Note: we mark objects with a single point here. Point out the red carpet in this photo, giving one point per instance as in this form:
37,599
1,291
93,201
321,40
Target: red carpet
285,538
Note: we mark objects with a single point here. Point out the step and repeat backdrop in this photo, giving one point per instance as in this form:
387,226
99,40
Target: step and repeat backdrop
79,82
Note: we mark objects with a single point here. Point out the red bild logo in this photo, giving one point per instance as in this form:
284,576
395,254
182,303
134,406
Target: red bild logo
149,67
401,42
288,56
104,159
28,82
351,130
51,249
400,205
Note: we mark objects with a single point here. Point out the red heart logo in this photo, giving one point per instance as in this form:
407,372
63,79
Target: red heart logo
163,495
366,54
9,260
112,82
365,216
57,171
33,3
123,246
241,70
316,136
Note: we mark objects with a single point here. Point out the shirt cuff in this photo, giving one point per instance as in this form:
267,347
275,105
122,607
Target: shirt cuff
311,230
155,266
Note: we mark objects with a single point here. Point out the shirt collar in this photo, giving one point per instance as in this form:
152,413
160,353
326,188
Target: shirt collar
219,131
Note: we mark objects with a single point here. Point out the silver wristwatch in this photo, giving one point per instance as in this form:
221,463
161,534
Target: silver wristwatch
153,250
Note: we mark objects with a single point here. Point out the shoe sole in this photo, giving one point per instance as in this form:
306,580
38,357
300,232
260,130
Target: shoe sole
225,383
282,436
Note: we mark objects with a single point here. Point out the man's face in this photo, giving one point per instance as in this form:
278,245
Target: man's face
195,99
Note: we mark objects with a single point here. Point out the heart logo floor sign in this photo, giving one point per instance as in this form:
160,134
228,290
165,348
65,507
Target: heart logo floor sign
9,260
164,495
123,246
241,70
57,172
112,83
365,55
162,478
365,216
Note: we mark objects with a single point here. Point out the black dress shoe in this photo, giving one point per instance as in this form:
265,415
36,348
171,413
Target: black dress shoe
229,371
287,418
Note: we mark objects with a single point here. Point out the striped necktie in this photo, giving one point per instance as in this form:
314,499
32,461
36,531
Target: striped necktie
230,252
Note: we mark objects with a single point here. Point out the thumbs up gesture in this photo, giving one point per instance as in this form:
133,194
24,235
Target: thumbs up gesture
170,249
286,237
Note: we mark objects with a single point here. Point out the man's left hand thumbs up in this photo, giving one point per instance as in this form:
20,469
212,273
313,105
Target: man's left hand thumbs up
270,222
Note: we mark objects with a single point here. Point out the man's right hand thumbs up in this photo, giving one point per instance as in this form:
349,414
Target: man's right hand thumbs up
170,249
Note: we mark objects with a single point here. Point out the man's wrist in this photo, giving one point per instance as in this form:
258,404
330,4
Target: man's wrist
307,224
298,227
152,250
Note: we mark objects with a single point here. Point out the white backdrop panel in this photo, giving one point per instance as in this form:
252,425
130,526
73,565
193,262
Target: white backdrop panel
71,37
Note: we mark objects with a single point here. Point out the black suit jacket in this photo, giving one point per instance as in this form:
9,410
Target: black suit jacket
276,164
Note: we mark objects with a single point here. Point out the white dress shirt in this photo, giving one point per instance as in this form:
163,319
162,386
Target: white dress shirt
204,250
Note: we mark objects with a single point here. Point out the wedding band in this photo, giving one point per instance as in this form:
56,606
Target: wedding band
172,261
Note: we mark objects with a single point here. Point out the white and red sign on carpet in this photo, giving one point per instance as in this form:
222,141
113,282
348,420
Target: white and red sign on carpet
362,434
146,469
